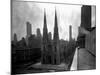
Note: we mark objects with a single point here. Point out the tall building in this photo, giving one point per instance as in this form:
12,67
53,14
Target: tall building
56,42
70,33
29,31
38,33
86,41
15,38
86,17
85,24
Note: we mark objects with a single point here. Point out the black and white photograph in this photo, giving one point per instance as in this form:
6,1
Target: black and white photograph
52,37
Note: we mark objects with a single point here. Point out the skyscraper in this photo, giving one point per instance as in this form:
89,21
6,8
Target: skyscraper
86,41
70,33
29,30
85,24
86,17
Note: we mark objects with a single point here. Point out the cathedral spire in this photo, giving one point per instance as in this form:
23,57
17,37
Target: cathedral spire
45,41
56,41
56,35
45,23
45,31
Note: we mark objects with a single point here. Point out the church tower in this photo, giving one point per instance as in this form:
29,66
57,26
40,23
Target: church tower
56,42
44,41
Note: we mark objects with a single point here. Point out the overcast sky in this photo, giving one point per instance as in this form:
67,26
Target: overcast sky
34,13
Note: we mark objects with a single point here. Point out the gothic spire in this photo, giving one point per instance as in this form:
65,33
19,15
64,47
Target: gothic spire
45,23
56,35
45,30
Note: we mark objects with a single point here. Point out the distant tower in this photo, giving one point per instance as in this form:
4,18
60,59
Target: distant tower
15,38
56,42
70,33
45,42
38,33
29,31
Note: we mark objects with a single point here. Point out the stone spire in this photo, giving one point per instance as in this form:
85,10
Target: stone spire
56,42
45,30
56,34
45,41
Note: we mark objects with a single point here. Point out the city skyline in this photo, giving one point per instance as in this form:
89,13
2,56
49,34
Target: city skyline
35,12
50,37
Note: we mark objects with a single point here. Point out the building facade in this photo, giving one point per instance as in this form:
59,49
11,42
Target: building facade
85,26
50,48
86,41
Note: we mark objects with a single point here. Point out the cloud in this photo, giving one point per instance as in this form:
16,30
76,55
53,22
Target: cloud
21,13
34,13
